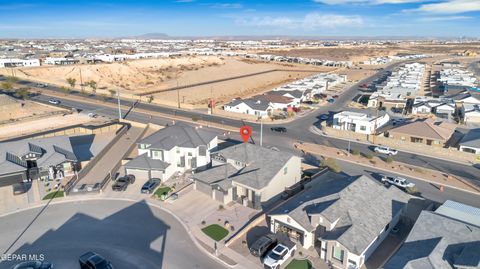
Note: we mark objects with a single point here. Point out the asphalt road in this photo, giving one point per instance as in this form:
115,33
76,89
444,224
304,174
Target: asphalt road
298,130
130,235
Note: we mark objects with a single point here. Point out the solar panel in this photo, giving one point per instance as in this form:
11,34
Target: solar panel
16,160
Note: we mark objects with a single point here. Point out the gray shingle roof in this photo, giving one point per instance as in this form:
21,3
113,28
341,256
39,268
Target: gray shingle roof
362,206
144,162
53,150
221,176
258,102
471,139
438,242
262,164
180,135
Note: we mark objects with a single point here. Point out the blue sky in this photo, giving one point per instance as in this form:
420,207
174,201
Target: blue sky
74,19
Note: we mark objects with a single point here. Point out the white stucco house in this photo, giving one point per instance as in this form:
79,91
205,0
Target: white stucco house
360,122
343,218
176,148
259,107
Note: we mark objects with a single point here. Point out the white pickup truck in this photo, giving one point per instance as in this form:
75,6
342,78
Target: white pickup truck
398,181
385,150
279,255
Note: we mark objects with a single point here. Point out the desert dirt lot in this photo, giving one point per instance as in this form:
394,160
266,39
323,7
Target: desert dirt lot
151,76
22,110
361,53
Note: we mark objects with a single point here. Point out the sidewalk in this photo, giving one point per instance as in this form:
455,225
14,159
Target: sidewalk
428,175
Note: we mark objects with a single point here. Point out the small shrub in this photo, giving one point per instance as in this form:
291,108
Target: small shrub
369,156
332,165
221,207
195,118
203,222
300,253
373,162
232,228
219,220
244,242
389,160
355,152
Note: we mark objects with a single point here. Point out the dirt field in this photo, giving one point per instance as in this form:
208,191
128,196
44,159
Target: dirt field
18,111
362,53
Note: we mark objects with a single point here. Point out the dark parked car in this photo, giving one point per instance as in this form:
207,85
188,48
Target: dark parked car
150,185
19,188
34,265
263,245
91,260
279,129
122,183
131,178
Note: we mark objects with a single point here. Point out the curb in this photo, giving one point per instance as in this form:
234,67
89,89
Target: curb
192,237
315,130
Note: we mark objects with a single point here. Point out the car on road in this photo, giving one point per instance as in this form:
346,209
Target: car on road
335,96
279,255
92,260
324,117
385,150
92,115
42,85
263,245
150,185
34,265
54,101
122,183
279,129
331,100
397,181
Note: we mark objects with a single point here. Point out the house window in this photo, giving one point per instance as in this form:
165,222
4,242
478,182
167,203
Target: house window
142,146
189,154
363,128
436,142
416,140
337,253
157,154
285,170
202,151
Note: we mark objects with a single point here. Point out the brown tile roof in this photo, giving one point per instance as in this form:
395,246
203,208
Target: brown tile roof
427,128
278,98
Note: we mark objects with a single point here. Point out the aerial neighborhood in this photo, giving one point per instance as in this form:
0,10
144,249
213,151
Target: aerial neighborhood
260,150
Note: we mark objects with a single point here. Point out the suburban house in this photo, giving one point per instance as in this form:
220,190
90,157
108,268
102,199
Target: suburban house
343,218
298,96
280,102
445,239
444,110
46,158
176,148
426,132
249,174
470,142
422,108
471,113
360,122
257,106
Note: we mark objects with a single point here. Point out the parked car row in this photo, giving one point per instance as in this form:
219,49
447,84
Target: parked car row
272,252
89,260
122,183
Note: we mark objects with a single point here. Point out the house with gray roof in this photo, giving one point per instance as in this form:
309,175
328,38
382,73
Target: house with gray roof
344,218
48,158
257,106
176,148
448,238
249,174
471,142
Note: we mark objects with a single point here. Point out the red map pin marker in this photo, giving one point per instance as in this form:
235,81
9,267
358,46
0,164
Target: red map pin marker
245,132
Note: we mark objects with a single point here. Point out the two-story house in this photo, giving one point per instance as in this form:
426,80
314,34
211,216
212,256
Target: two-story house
343,218
176,148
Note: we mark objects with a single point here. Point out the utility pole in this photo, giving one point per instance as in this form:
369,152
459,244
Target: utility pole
81,79
178,95
261,132
119,109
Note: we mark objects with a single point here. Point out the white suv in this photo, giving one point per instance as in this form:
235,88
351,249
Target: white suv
278,256
398,181
385,150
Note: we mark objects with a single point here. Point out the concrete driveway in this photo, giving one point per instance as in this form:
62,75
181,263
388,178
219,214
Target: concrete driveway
130,234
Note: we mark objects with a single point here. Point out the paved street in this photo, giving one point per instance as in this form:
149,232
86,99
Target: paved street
131,235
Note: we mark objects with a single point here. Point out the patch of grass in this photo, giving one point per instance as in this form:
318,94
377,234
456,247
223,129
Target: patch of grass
299,264
215,231
389,159
332,165
162,190
355,152
52,195
369,156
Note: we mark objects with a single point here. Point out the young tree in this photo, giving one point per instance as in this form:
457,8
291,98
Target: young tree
23,93
150,98
65,90
112,93
71,82
12,79
7,86
93,85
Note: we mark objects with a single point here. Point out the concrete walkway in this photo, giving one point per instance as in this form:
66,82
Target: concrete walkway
114,155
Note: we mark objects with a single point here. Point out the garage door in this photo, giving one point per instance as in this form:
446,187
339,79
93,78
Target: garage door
11,179
218,195
157,174
139,174
202,187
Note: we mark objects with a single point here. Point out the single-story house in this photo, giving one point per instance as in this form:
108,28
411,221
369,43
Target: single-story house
257,106
470,142
445,239
426,132
421,108
297,95
344,219
47,158
176,148
444,110
471,113
249,174
360,122
279,101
